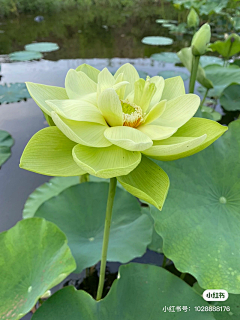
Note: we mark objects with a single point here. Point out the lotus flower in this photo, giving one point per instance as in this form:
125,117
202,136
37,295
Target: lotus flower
109,125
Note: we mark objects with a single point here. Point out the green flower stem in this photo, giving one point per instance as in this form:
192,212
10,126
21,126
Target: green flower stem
111,194
84,178
182,276
204,98
164,261
195,62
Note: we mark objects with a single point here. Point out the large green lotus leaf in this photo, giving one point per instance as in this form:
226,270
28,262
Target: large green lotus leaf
168,57
34,257
172,73
230,98
185,55
45,192
42,47
13,92
156,244
25,56
79,212
6,142
233,302
200,220
222,77
227,48
208,60
141,292
157,41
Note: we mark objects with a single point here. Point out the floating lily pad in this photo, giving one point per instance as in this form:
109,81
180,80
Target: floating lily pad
142,74
34,258
200,220
230,98
172,73
233,302
6,142
141,292
222,77
168,57
45,192
208,60
13,92
42,47
79,212
157,41
210,113
25,56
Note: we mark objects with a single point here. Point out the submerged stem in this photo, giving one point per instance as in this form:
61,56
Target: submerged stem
111,194
195,62
84,178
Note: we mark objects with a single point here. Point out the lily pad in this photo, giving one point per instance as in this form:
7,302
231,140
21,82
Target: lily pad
140,292
6,142
25,55
34,258
45,192
157,41
200,220
208,60
172,73
142,74
13,92
222,77
227,48
230,98
210,113
79,212
167,57
42,47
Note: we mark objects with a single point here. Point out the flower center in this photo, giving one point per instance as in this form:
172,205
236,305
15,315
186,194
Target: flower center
132,114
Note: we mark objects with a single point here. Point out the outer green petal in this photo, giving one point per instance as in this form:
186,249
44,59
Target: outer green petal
40,93
155,112
179,110
77,110
106,162
111,107
49,152
131,75
90,71
147,182
174,87
86,133
79,86
155,132
194,128
159,83
128,138
173,146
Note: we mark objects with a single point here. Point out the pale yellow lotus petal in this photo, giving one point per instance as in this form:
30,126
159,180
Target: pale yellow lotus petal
79,86
105,80
143,93
128,138
40,93
147,182
174,87
49,152
179,110
106,162
155,132
111,108
90,71
131,75
86,133
159,83
171,147
77,110
155,112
